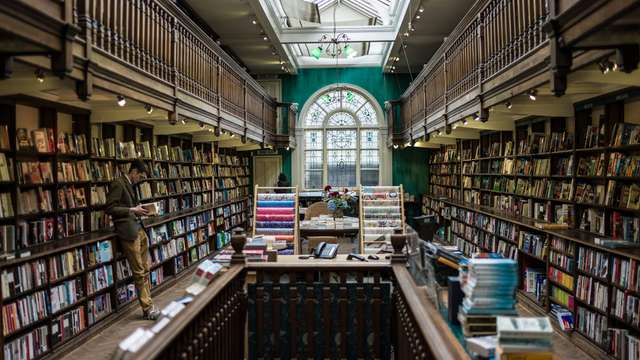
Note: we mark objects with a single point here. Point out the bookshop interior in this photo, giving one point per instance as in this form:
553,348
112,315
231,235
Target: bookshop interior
295,179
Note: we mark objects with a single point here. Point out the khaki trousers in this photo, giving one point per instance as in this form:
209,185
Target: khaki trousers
136,253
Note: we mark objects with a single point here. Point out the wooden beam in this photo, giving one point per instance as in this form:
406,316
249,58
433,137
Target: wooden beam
112,114
189,127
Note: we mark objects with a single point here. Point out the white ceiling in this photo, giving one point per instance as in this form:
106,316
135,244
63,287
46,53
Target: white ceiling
374,29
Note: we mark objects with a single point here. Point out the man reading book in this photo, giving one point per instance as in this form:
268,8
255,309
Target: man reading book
125,210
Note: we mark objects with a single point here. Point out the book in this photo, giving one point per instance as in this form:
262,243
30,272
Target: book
23,140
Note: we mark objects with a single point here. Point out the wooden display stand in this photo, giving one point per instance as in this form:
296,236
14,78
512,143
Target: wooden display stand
373,190
259,190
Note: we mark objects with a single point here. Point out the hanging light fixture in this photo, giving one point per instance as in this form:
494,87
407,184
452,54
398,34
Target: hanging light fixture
121,100
334,45
533,93
148,108
509,105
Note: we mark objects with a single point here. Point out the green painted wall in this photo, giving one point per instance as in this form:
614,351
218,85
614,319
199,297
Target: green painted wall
409,165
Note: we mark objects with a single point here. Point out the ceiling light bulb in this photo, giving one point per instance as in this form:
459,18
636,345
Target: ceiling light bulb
233,135
350,51
148,108
121,100
533,94
421,10
615,67
254,22
395,146
183,121
40,75
317,52
417,17
406,34
476,117
454,126
439,132
509,105
287,148
265,38
465,122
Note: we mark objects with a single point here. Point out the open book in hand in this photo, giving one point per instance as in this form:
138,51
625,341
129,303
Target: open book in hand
153,208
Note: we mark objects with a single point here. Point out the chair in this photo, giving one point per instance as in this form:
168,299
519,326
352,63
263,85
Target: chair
316,209
313,241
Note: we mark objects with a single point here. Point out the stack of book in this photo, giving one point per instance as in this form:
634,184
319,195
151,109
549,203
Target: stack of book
489,289
524,338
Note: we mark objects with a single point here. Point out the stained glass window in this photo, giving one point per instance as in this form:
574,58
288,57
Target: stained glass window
341,141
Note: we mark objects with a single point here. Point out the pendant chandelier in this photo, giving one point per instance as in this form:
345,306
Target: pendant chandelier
334,45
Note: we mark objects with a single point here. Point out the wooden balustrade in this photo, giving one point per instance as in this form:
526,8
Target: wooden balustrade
493,36
212,326
155,44
319,311
308,309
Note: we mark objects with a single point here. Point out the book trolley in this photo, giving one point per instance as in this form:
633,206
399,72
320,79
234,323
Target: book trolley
276,214
381,213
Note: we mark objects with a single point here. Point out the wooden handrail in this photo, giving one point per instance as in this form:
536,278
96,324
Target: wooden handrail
178,337
428,328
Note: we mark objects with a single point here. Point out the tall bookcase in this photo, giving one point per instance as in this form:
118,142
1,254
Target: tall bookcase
581,172
59,252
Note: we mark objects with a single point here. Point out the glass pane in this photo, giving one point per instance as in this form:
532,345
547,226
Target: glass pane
330,101
313,179
369,139
313,160
351,100
313,140
369,177
341,139
369,159
367,115
341,119
315,116
341,167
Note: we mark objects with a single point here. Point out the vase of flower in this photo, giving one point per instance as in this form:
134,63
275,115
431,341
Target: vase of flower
338,202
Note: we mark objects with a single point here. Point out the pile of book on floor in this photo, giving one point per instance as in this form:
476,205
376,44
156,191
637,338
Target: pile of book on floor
524,338
206,272
489,285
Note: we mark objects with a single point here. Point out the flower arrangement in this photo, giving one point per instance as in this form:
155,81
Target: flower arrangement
337,202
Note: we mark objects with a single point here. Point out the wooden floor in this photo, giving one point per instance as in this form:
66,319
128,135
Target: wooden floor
103,344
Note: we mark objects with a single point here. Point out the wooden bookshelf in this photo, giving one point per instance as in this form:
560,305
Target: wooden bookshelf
181,180
552,170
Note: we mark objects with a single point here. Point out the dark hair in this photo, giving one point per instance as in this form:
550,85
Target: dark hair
139,165
282,177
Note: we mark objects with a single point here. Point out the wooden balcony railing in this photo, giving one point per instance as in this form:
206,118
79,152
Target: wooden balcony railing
494,35
308,309
148,50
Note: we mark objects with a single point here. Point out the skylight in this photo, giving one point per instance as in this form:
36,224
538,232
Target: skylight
370,26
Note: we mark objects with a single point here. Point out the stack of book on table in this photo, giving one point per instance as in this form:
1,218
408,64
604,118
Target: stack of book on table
489,287
524,338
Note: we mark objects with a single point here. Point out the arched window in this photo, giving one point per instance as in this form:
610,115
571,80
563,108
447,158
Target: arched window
342,138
